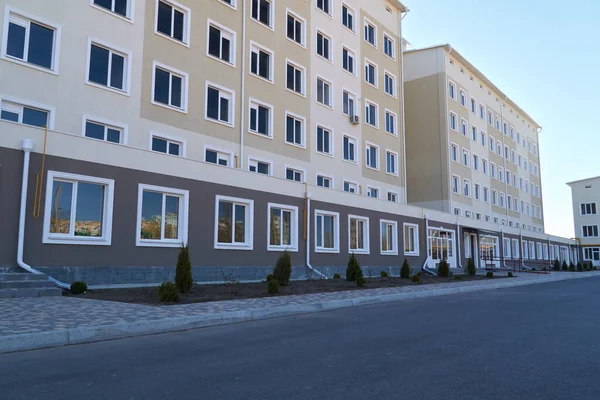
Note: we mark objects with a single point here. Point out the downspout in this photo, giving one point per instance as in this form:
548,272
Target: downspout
503,252
426,267
403,108
242,91
307,239
27,146
458,243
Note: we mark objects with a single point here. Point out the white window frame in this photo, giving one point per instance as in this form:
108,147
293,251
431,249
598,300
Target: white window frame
232,5
351,185
254,103
366,235
294,169
248,224
368,62
129,15
395,165
168,138
233,40
464,127
394,125
387,73
330,178
393,194
366,22
331,140
256,160
375,189
221,153
30,104
231,95
352,96
186,24
455,128
293,247
336,232
126,54
330,46
467,186
466,158
455,152
393,252
415,234
455,189
184,87
271,25
462,95
182,224
351,55
450,92
107,217
110,124
352,12
330,6
368,145
371,103
302,21
393,42
303,128
331,91
356,151
302,69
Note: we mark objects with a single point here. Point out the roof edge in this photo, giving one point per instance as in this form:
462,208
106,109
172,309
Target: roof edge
583,180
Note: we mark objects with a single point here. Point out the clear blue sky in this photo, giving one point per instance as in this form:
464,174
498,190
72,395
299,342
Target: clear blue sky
544,56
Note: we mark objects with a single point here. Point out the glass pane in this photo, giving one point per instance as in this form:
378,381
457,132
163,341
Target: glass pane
60,214
121,7
99,65
161,86
320,230
359,234
328,232
164,18
225,234
176,91
275,234
89,209
224,111
226,49
211,156
41,45
9,116
290,26
15,45
253,117
174,149
264,65
212,104
289,129
171,217
104,3
290,77
254,62
159,145
93,130
214,41
151,215
265,12
113,135
178,25
35,117
240,224
117,71
263,168
286,234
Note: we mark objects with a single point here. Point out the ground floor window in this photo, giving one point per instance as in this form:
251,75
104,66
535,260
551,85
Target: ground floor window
411,239
506,248
545,251
327,231
358,234
78,209
591,253
282,227
234,218
389,237
489,248
441,245
516,253
162,216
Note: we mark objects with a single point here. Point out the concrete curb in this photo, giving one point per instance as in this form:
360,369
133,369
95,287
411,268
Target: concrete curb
38,340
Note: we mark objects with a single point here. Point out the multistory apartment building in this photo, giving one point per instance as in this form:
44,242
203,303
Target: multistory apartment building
471,150
585,194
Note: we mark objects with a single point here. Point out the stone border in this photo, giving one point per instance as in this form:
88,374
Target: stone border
38,340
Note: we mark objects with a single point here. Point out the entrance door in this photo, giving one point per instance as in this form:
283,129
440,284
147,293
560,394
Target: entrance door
471,248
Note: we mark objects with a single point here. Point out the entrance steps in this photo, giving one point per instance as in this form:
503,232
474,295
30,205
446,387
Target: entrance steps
14,282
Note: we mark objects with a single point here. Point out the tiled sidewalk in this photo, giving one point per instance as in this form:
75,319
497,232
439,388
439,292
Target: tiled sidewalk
51,321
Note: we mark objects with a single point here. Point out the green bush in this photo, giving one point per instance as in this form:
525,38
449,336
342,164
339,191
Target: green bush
565,267
556,265
283,269
360,281
443,269
183,272
167,292
533,268
269,277
457,278
336,276
78,287
273,286
353,271
405,270
383,274
489,274
471,270
510,275
571,268
416,279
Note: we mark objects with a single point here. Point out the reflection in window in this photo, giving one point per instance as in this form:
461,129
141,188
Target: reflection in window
281,227
77,208
160,216
232,223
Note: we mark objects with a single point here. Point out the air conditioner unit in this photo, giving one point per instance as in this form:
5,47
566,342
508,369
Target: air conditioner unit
354,119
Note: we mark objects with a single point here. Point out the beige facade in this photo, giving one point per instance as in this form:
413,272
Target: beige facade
471,150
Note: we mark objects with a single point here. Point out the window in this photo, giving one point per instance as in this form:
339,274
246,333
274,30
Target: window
455,184
464,127
162,216
411,239
538,251
295,28
497,123
501,174
505,126
294,130
473,106
474,134
295,78
494,197
506,248
370,73
477,191
172,20
493,170
484,166
371,114
466,158
531,250
509,201
481,112
219,104
350,187
372,158
502,200
108,67
508,178
370,33
103,131
325,6
466,188
261,119
390,122
453,122
486,194
349,149
348,101
475,162
324,141
324,181
525,249
262,10
78,209
389,237
167,146
261,62
389,47
373,192
390,84
490,118
283,227
119,7
591,253
26,114
588,208
454,152
170,87
323,46
506,152
217,157
234,219
28,40
452,90
327,229
393,197
590,230
348,58
260,167
457,211
515,248
221,43
492,144
292,174
463,99
391,162
324,92
358,234
348,17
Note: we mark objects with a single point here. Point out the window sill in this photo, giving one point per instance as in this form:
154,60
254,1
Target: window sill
372,84
357,251
113,14
395,97
374,45
168,107
75,240
262,135
159,243
327,251
325,13
179,42
351,162
389,253
214,121
299,146
293,249
29,65
233,7
302,45
108,88
243,247
229,64
411,254
330,61
325,105
272,29
262,78
372,168
330,155
349,29
294,92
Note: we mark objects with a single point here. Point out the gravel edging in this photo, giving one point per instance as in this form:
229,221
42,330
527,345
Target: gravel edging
70,336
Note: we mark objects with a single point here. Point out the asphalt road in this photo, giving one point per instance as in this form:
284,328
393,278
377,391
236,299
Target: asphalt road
532,342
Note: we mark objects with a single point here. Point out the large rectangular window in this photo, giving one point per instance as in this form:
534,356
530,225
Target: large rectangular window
108,67
295,28
324,141
162,216
103,131
590,230
262,11
172,20
588,208
25,114
348,17
261,116
119,7
234,220
349,149
389,237
282,227
170,87
78,209
324,46
324,92
167,146
221,43
295,78
327,232
261,62
358,234
411,239
294,130
372,156
219,104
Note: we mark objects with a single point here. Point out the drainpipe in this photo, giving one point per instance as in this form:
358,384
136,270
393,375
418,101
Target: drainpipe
458,243
242,91
307,199
425,264
27,146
